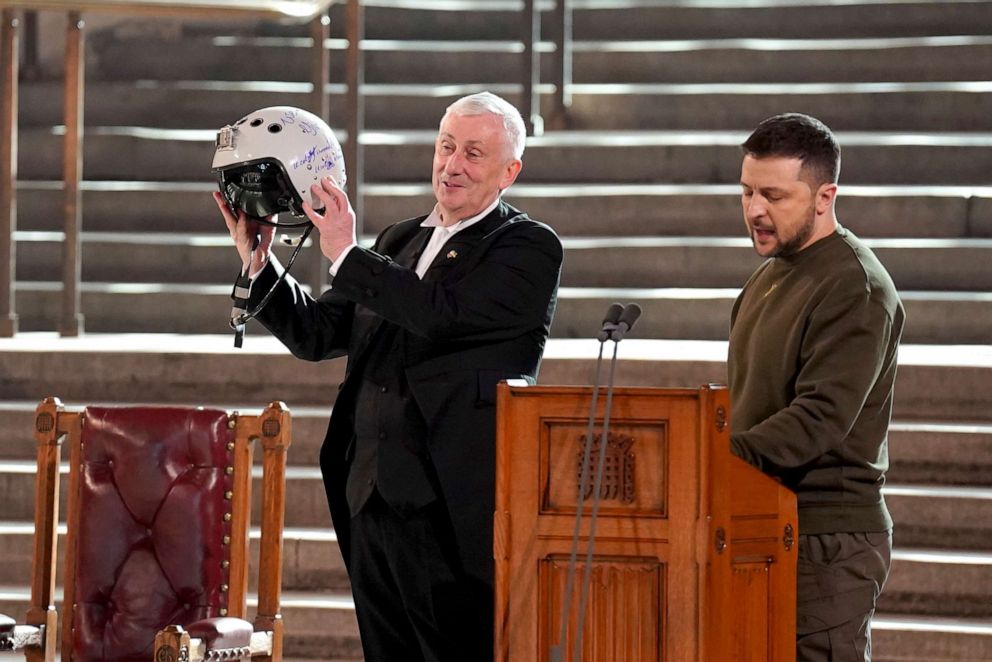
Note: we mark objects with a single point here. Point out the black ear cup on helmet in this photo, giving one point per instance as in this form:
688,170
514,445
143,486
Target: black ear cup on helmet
259,189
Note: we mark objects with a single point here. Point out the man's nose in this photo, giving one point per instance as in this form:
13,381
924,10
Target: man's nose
454,163
755,207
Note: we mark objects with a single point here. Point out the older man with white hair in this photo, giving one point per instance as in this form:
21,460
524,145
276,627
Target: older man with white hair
439,310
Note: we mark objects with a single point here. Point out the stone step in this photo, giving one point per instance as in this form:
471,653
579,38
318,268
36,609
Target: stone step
641,19
444,61
941,516
899,638
704,314
137,153
934,582
671,313
317,625
651,19
617,262
720,262
197,369
934,383
949,454
142,257
866,106
593,209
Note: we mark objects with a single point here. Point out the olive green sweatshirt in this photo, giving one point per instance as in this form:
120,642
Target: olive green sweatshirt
812,364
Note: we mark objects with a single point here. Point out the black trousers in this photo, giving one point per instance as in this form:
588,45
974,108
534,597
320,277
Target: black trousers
840,576
413,602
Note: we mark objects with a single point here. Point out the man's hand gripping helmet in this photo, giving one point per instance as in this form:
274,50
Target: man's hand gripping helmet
266,162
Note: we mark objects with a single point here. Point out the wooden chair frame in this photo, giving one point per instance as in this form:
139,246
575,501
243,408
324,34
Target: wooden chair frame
56,424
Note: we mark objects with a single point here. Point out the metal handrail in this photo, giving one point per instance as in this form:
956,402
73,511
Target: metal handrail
561,66
71,323
302,10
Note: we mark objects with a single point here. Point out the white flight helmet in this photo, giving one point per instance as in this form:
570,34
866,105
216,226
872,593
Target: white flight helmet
266,162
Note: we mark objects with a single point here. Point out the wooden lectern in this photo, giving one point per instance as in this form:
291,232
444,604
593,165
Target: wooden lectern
695,550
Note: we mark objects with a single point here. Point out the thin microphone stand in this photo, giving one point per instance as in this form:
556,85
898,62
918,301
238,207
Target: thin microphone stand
596,500
618,321
557,651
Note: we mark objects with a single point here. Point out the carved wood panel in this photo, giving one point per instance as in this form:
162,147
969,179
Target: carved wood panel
625,615
635,477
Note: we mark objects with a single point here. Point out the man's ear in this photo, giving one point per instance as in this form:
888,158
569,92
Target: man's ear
510,174
825,196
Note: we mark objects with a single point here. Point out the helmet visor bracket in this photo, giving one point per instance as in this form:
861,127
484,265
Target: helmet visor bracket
226,137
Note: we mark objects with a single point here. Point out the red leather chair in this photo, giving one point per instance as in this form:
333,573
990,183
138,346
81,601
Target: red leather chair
156,564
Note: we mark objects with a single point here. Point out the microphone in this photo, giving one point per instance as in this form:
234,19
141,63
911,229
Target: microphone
618,321
626,322
610,322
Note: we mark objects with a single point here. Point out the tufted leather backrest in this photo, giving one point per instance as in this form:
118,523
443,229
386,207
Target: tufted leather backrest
154,489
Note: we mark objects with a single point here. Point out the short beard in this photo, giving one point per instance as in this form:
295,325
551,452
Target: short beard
802,235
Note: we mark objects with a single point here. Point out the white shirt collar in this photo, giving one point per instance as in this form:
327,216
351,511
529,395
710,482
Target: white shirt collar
433,220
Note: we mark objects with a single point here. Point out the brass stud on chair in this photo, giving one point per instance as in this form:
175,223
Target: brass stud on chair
223,588
230,445
227,517
225,564
223,612
229,495
232,421
227,540
229,470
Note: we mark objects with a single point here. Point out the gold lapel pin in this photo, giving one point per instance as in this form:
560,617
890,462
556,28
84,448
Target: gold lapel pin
452,255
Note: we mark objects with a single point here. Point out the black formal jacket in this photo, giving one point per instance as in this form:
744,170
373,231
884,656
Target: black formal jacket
482,313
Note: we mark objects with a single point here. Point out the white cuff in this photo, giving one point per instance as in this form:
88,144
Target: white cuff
333,270
255,273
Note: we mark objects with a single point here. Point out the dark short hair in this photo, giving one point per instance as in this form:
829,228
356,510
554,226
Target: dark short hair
799,136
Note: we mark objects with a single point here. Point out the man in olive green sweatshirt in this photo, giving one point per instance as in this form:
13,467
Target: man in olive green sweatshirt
812,363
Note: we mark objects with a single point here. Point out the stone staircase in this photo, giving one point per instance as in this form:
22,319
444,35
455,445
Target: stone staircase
642,191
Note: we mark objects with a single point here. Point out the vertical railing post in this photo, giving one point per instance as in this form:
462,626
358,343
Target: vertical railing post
320,65
8,170
71,323
355,81
562,102
31,65
530,32
320,105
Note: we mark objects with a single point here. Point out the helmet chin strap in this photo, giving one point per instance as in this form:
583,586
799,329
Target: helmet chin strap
242,287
